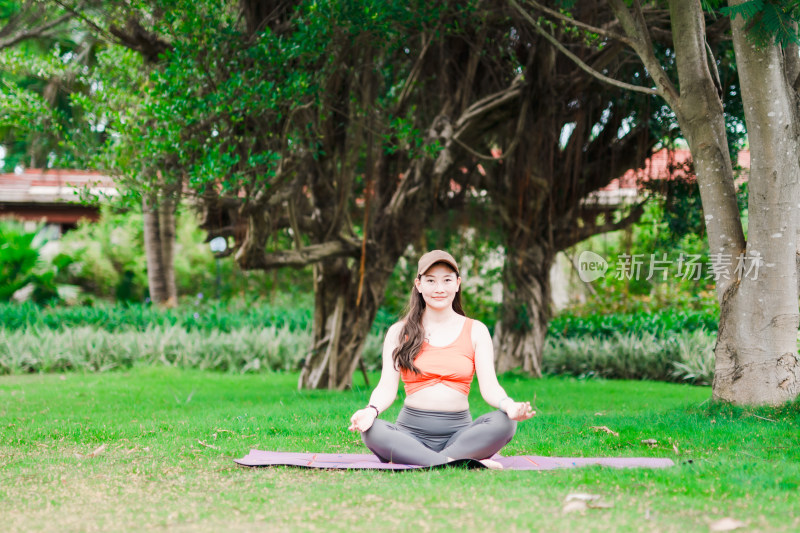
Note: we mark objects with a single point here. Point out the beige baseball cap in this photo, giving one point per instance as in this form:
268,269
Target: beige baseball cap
433,257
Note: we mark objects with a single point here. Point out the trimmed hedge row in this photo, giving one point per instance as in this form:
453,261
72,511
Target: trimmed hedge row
97,350
139,317
662,323
683,357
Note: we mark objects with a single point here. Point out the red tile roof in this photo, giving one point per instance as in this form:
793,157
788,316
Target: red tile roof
52,185
662,165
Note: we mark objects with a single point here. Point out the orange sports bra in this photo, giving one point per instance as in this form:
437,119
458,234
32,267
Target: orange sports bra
453,365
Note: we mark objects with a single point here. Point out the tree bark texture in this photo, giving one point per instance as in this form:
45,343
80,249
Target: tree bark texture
525,312
701,118
159,243
756,351
341,325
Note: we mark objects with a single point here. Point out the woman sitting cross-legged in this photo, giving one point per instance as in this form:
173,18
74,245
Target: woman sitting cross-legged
436,350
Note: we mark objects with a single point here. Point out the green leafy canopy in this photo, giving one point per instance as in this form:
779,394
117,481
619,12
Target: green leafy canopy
769,21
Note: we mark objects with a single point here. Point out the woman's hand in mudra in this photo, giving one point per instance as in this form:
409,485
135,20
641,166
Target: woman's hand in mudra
363,419
519,411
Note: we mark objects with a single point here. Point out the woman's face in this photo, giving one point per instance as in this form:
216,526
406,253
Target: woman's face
438,286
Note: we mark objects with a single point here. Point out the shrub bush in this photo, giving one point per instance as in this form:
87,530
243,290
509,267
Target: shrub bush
21,265
687,356
96,350
201,315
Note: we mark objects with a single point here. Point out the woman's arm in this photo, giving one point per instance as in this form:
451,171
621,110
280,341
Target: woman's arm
491,390
385,392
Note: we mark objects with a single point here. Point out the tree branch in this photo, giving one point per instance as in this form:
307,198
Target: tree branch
571,238
33,33
487,104
579,24
81,16
443,130
301,257
278,189
518,131
13,20
793,67
412,76
712,66
135,38
636,29
578,61
475,153
413,178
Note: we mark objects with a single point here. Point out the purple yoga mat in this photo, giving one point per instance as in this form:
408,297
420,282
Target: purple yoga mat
362,461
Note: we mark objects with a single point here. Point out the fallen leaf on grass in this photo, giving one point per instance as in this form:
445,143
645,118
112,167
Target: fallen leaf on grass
581,496
218,430
650,442
97,451
571,507
581,501
600,504
726,524
100,449
606,429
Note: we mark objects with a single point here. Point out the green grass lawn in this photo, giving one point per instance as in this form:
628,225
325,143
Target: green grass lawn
169,437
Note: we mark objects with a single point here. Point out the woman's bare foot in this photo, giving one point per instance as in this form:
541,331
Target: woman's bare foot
493,465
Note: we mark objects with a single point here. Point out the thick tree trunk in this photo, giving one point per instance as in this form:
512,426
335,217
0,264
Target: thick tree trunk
342,321
701,117
520,333
757,360
167,230
159,244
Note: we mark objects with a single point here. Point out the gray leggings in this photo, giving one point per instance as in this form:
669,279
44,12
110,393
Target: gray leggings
428,438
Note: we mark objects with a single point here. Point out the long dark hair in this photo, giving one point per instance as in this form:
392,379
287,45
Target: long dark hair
413,334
